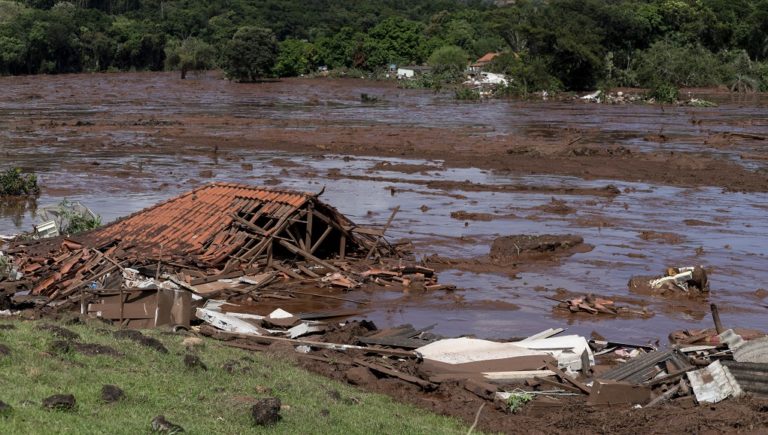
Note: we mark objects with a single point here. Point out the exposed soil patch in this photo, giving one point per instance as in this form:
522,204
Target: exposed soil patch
61,402
111,394
234,367
60,332
142,339
193,362
93,349
4,350
160,424
662,237
266,412
349,332
509,248
699,223
556,206
470,216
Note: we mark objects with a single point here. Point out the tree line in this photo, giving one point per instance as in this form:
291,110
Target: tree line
545,45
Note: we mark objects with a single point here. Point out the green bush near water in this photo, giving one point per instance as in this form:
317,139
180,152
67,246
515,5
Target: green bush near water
14,182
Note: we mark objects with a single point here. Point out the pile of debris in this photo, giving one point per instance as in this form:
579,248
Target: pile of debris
545,369
218,241
688,281
595,305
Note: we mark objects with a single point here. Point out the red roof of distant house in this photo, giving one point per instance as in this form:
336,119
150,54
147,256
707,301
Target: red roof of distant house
487,57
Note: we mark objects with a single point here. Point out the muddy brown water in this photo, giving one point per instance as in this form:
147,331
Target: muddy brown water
122,142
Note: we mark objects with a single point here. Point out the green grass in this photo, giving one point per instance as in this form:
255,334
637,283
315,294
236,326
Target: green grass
204,402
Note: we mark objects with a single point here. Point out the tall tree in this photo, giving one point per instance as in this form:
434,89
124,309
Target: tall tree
250,54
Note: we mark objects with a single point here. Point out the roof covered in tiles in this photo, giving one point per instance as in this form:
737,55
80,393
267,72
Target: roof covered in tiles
200,221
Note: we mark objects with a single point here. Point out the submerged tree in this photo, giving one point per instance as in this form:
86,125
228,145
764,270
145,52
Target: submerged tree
192,54
250,54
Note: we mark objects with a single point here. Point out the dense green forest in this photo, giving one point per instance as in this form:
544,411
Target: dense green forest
555,44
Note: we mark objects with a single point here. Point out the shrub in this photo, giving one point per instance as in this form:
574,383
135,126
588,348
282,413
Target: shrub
14,182
679,65
467,94
449,59
526,74
664,93
75,218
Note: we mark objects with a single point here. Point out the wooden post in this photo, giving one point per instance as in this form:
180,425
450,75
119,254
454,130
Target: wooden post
296,250
342,246
321,239
122,307
386,226
716,318
308,235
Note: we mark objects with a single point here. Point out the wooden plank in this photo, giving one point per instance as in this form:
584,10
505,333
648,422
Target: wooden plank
516,375
556,384
287,271
296,250
263,339
308,232
369,231
564,376
384,230
327,231
122,310
426,385
307,271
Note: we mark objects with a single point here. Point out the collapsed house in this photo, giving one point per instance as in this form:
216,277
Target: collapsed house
216,232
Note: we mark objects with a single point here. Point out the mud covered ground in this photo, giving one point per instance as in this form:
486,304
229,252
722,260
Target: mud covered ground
646,187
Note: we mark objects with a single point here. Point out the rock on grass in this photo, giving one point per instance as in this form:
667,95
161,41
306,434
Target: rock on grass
111,394
63,402
266,412
4,350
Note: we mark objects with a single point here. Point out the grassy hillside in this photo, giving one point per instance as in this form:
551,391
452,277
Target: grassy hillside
216,400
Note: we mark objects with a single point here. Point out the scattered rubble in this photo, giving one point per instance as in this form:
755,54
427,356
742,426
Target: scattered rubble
595,305
689,280
205,263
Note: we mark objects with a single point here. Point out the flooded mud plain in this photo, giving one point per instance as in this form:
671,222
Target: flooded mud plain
647,187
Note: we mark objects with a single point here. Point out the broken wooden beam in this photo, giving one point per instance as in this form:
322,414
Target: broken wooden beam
383,231
425,385
564,376
298,251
